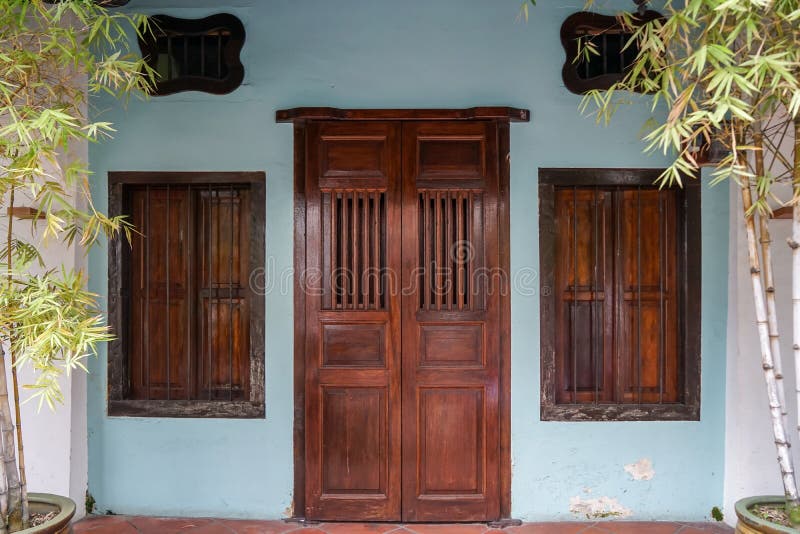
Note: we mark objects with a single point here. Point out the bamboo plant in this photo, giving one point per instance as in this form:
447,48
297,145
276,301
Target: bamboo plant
53,57
728,71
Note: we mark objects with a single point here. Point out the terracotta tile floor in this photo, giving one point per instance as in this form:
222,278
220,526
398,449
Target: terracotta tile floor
150,525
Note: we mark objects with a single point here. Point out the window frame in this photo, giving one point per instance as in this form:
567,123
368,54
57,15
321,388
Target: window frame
689,263
569,41
119,403
230,54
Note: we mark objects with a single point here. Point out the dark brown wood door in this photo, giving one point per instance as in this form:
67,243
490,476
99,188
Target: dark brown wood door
451,346
352,407
403,286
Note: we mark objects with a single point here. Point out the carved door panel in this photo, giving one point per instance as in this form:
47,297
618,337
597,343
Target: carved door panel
353,322
403,288
451,332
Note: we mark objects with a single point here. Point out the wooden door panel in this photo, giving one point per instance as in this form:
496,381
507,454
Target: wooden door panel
451,441
450,322
354,441
352,316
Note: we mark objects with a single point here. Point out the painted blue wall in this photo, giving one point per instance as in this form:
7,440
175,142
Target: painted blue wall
377,53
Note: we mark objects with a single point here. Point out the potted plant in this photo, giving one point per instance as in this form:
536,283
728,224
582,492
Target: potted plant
53,56
727,72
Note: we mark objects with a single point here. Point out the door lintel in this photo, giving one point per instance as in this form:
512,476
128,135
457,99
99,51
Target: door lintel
465,114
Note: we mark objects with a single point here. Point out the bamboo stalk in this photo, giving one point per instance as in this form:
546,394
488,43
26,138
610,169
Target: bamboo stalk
778,429
794,243
20,450
13,516
769,281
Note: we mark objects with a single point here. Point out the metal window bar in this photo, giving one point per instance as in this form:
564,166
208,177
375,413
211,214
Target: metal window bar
574,313
146,326
169,57
167,302
604,52
190,295
230,295
210,285
662,242
639,292
219,55
593,329
185,67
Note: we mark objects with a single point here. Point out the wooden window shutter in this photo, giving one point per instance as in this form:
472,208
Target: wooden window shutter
616,297
189,331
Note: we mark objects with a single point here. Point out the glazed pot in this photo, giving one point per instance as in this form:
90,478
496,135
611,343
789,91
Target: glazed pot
43,503
749,523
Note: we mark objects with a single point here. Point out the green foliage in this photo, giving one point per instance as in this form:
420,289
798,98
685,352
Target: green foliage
716,514
727,70
53,57
721,69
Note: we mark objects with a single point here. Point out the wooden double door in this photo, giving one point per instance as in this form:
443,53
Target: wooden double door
406,276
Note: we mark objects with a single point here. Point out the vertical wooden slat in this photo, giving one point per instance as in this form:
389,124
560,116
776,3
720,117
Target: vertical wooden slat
459,221
426,235
333,275
356,237
374,254
437,250
449,250
469,277
354,249
345,279
365,270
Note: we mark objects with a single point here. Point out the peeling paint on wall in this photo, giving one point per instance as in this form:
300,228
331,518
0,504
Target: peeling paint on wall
641,470
598,508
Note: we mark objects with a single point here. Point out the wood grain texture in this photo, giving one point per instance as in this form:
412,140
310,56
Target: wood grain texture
336,114
611,346
187,335
451,419
352,322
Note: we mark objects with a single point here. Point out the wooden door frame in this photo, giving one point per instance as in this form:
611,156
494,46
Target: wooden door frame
300,118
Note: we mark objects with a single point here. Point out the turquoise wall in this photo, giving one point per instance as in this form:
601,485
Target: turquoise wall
377,53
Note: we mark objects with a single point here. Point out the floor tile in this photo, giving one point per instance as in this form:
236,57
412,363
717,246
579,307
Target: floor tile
358,528
152,525
447,529
550,528
635,527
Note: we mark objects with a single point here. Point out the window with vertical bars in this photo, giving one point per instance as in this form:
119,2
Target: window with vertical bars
617,299
194,55
191,314
599,49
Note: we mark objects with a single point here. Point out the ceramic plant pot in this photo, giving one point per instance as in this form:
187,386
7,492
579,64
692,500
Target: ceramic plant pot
749,523
43,503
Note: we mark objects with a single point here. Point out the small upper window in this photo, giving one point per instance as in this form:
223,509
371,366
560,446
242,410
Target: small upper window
611,54
195,55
